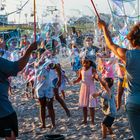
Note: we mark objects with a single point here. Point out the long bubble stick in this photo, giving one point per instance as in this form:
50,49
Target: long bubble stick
34,20
95,9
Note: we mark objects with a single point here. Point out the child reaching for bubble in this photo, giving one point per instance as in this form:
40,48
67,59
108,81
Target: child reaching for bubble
108,104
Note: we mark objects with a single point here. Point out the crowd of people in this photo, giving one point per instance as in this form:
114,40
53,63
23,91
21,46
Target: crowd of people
93,66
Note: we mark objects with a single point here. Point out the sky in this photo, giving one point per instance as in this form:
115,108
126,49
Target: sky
71,7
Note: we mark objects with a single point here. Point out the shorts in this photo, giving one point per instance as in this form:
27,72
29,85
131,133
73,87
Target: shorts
9,124
108,121
120,79
45,92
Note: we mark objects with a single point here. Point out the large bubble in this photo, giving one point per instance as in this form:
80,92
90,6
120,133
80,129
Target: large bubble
13,43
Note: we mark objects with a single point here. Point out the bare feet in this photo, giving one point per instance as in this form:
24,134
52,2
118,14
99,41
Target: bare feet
92,123
42,126
52,127
68,113
83,122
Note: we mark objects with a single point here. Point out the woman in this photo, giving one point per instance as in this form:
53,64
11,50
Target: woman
132,60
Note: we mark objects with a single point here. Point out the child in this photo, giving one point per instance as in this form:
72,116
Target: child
45,94
107,64
28,90
64,79
30,72
87,89
55,72
108,105
75,62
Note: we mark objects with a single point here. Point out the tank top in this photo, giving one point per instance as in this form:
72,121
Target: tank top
133,75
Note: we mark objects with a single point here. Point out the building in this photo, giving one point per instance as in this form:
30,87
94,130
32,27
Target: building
3,20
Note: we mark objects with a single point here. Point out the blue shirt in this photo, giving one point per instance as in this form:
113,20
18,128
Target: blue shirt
108,104
133,75
42,75
7,68
44,84
91,52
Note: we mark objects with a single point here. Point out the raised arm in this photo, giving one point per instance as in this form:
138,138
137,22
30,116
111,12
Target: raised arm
24,59
103,83
119,52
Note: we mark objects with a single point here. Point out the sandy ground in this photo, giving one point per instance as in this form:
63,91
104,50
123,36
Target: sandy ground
29,122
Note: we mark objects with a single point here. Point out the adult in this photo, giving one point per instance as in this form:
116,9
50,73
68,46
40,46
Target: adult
120,88
132,60
90,50
8,117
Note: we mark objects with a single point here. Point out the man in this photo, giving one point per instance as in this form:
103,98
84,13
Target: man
8,117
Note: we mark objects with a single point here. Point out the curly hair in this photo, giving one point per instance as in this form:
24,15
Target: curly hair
134,35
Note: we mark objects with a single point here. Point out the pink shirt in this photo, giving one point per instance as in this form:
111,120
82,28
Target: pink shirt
108,70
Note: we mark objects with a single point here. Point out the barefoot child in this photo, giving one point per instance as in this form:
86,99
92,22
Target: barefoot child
56,76
45,94
108,105
87,89
64,79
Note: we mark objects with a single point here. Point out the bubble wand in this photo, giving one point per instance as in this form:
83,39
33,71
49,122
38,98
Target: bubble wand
34,20
95,9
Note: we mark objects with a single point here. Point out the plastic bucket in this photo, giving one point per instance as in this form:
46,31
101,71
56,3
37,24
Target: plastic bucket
54,137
